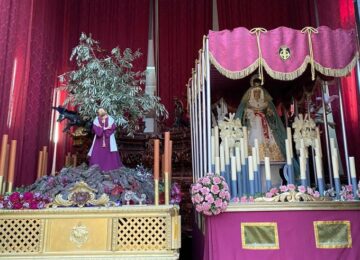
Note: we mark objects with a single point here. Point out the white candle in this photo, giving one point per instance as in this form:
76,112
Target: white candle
253,153
302,167
216,132
317,133
257,151
212,149
288,153
222,158
332,145
318,147
267,169
245,141
318,166
352,167
217,165
233,168
238,160
289,138
251,170
335,164
242,147
227,151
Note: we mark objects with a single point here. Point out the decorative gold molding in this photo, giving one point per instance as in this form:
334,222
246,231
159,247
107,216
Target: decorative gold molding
292,196
80,195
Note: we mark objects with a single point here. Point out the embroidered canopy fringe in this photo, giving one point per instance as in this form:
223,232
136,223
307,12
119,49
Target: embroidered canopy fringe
338,72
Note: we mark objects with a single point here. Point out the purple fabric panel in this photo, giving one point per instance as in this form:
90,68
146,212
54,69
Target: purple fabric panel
235,50
296,235
271,42
334,48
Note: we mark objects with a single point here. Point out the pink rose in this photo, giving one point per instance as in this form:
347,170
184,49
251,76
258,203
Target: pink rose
14,197
283,188
310,191
224,205
236,199
207,213
199,208
348,188
218,203
28,196
227,196
205,180
302,189
222,194
268,195
226,187
17,205
243,199
216,180
215,189
209,198
291,187
251,199
274,191
33,205
198,198
205,190
316,194
206,206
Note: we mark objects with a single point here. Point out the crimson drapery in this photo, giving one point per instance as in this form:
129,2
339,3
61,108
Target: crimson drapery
36,38
182,25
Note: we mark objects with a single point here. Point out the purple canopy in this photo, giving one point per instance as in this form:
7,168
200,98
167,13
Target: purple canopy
283,53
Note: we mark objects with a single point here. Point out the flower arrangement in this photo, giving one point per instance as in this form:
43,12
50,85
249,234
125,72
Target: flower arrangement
175,193
210,194
346,193
26,200
292,188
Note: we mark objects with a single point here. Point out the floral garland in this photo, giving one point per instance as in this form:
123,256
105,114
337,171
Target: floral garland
26,200
346,193
291,187
210,195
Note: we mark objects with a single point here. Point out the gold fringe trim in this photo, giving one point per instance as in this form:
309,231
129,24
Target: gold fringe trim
234,74
338,72
286,76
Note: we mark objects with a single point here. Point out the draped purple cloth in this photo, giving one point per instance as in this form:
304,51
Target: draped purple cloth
235,53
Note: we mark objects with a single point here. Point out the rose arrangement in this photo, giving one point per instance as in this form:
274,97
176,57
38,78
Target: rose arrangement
26,200
210,195
292,188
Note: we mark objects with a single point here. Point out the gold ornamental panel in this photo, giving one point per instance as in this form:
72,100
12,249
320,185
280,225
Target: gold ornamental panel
73,235
259,235
141,233
332,234
20,235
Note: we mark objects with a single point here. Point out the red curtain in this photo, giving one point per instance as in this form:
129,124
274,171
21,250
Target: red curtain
36,38
268,14
182,25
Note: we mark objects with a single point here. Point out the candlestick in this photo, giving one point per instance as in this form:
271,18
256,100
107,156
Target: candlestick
332,145
267,169
163,166
216,132
238,160
289,138
319,174
288,153
353,176
156,159
251,175
217,165
256,144
233,177
227,155
166,151
238,172
45,159
40,163
222,158
245,133
335,164
242,147
253,153
170,160
12,164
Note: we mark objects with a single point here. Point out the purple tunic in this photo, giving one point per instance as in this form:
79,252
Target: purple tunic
100,155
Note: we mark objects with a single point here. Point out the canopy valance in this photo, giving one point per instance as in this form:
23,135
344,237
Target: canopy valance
284,53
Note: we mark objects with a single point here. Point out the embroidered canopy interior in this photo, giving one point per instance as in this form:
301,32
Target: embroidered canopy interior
284,53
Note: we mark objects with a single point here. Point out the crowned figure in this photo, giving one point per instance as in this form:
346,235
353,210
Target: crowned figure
258,113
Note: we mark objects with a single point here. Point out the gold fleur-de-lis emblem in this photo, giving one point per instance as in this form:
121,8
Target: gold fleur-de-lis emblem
284,52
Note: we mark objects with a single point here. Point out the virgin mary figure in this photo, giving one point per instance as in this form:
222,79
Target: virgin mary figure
258,113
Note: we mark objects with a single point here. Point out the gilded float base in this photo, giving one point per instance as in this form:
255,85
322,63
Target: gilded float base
127,232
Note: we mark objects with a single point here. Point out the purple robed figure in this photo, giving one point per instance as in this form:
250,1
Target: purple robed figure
103,151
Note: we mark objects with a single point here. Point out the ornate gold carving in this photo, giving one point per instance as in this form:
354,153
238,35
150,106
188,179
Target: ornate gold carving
79,235
80,195
292,196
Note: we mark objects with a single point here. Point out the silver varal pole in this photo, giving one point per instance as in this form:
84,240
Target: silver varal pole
203,100
327,134
343,128
194,121
199,122
189,104
208,101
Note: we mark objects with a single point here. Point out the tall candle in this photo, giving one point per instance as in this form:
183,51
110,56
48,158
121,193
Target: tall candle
3,154
302,167
227,151
251,170
289,138
267,169
332,145
213,154
238,160
245,141
253,153
163,165
242,147
233,168
170,158
352,167
216,132
12,161
222,158
335,164
40,163
217,165
256,142
156,158
166,151
318,166
74,161
288,153
45,159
